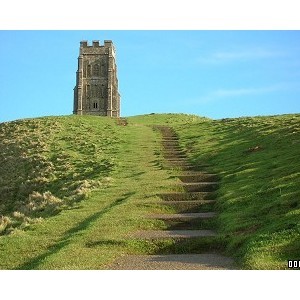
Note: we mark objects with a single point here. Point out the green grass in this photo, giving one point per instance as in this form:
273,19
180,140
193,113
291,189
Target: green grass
259,197
73,188
49,163
165,119
101,173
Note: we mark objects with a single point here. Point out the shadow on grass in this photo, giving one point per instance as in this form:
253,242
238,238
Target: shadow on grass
67,239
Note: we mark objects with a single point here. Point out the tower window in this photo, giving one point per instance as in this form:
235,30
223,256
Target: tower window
88,70
96,70
95,105
103,69
88,91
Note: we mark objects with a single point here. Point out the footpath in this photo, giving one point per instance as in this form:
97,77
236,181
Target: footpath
196,243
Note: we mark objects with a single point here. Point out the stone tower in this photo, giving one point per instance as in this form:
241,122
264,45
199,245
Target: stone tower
96,90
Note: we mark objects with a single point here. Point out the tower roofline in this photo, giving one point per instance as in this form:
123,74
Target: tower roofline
96,43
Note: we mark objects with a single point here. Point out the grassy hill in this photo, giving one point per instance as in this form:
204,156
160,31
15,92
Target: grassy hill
72,188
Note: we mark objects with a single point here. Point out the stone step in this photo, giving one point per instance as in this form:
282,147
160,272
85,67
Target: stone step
169,134
203,183
183,216
182,168
187,196
173,152
176,159
178,163
174,149
206,261
193,167
175,156
198,202
200,177
173,234
200,186
171,145
196,166
186,206
170,142
190,205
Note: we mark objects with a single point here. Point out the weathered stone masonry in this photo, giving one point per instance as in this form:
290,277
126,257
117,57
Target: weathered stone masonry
96,90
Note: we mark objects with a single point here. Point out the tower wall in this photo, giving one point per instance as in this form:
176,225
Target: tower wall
96,90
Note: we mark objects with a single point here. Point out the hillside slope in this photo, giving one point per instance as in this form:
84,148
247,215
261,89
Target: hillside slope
72,188
259,197
51,163
82,182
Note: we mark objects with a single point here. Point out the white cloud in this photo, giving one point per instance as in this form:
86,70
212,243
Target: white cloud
222,57
224,93
220,94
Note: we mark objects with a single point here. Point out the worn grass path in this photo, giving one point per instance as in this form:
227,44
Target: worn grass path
90,235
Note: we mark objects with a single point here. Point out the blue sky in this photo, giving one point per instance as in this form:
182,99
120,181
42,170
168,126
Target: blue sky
216,74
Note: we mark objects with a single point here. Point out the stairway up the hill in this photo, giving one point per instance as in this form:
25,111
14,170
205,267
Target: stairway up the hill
195,242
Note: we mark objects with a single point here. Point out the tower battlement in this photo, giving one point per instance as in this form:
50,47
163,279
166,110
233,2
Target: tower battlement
96,43
96,90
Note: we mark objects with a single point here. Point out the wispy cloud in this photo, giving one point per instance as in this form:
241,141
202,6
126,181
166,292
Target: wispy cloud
223,57
224,93
221,94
